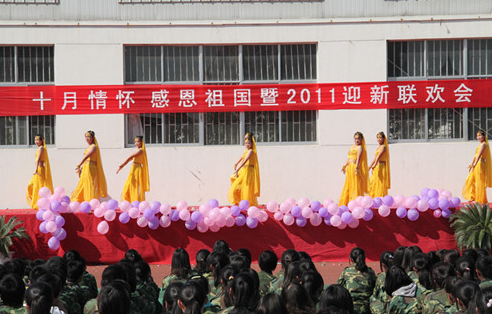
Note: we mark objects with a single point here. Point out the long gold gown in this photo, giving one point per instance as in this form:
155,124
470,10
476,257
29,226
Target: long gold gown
137,182
475,187
92,182
39,180
380,181
355,185
247,185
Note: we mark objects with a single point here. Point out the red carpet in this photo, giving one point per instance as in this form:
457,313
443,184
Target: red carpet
323,243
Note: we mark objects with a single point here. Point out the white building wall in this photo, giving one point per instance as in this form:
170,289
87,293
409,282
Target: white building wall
347,52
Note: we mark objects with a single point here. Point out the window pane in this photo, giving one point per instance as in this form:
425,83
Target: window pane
181,64
143,64
479,57
406,124
260,63
263,124
405,59
221,63
13,131
298,62
445,57
7,65
44,125
445,123
147,124
298,126
182,128
35,64
479,118
222,128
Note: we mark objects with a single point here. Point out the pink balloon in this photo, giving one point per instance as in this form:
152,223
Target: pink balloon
94,203
214,228
230,221
225,211
285,207
44,192
165,209
367,201
410,202
74,207
262,216
354,224
291,201
253,212
272,206
60,190
181,205
422,205
142,222
143,206
358,212
202,227
184,215
278,216
221,222
104,205
125,206
360,201
208,221
103,227
48,215
110,215
288,219
384,210
327,202
303,202
437,213
333,209
351,205
99,212
133,212
44,203
316,220
307,212
51,226
335,221
54,197
214,214
205,209
342,226
165,221
399,200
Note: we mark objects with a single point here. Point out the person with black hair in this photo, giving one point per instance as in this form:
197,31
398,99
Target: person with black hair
402,290
271,303
451,256
114,298
221,246
332,310
313,282
192,298
110,273
267,262
239,261
256,287
216,261
465,292
484,271
240,293
170,298
336,295
227,274
246,254
180,268
146,285
133,256
72,295
88,282
292,274
407,262
297,300
201,262
12,293
483,301
288,257
398,255
42,175
304,256
421,269
55,283
465,268
471,253
436,300
379,299
359,280
138,303
39,298
450,284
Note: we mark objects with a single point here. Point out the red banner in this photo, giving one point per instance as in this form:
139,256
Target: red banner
127,99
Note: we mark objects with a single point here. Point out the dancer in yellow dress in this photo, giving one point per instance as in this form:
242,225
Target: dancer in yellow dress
42,176
92,182
480,176
356,171
380,181
245,182
137,182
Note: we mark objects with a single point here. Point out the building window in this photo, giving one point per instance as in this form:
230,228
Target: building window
20,131
221,65
438,59
31,64
29,1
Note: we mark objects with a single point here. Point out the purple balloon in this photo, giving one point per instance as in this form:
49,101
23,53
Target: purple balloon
251,222
61,234
342,209
42,227
347,217
240,220
85,207
39,214
401,212
323,212
153,223
455,202
446,213
327,220
213,203
149,213
53,243
174,215
388,200
296,211
413,214
433,203
55,206
124,218
444,204
416,197
315,206
196,217
301,221
135,204
368,215
235,210
113,205
433,194
377,201
424,192
424,198
190,224
155,206
65,198
243,205
60,221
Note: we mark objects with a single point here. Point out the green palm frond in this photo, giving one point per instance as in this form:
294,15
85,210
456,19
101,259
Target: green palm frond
472,226
8,231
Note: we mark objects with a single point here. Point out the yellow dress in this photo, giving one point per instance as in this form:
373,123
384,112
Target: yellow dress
92,182
380,178
355,185
39,180
475,187
247,185
137,182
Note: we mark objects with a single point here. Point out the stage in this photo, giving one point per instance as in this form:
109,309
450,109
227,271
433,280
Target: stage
323,243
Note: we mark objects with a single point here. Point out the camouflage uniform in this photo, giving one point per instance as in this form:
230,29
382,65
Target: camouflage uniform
13,310
435,302
91,307
73,298
139,304
360,285
453,309
265,280
379,299
277,282
170,279
89,286
227,310
414,276
151,292
403,305
485,283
